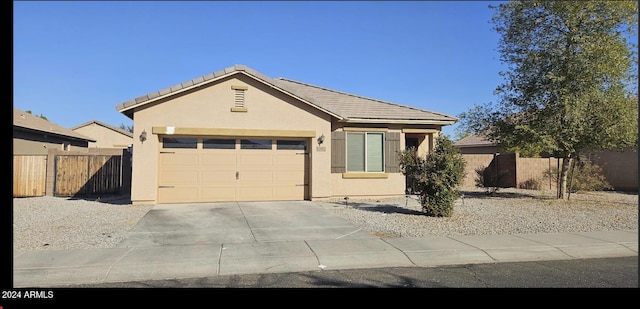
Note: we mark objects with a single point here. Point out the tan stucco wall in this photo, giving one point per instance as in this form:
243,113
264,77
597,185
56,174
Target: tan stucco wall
105,137
210,107
394,185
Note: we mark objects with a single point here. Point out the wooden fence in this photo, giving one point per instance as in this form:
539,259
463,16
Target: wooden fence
29,175
87,174
72,173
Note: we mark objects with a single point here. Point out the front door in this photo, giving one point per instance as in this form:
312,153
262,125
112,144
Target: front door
410,142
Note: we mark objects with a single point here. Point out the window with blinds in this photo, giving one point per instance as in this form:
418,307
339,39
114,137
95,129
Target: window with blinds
365,152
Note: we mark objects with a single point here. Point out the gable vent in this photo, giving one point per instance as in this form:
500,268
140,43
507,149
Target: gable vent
238,96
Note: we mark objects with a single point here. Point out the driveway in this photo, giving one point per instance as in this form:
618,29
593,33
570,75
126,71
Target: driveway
239,222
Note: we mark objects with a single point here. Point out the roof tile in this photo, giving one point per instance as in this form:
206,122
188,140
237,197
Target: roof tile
164,91
153,95
142,98
175,88
187,83
25,120
340,104
197,80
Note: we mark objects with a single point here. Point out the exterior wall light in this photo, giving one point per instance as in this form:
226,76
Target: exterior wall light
143,136
321,139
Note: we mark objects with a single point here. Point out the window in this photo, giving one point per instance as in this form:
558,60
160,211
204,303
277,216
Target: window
188,143
255,144
365,152
219,144
291,145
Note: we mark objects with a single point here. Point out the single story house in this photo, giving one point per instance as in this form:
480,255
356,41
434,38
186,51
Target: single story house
475,144
33,135
106,136
238,135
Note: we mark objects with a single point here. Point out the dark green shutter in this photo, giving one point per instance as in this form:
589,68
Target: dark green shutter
338,152
391,150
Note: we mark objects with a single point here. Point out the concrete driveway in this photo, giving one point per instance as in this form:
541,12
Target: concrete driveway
239,222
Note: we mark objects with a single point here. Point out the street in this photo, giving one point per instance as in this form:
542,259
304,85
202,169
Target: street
585,273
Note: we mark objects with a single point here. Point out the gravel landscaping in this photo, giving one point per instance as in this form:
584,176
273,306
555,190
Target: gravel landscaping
50,223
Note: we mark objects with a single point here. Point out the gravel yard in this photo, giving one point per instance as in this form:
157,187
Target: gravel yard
49,223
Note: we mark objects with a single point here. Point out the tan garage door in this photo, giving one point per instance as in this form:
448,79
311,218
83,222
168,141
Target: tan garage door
223,169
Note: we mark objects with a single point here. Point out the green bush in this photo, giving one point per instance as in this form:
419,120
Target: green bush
436,177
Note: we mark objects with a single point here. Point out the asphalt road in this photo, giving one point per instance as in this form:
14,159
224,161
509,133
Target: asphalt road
584,273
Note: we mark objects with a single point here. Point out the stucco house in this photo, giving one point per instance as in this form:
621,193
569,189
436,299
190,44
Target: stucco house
33,135
475,144
238,135
105,135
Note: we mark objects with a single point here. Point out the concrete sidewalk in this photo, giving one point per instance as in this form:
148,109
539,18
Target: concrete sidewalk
196,240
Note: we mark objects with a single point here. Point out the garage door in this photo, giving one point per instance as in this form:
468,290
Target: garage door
224,169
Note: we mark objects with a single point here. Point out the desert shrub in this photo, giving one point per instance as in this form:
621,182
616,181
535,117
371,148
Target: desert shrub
584,176
530,184
436,177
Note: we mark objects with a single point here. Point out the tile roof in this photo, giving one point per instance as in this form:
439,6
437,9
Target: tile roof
473,140
354,106
25,120
344,106
119,130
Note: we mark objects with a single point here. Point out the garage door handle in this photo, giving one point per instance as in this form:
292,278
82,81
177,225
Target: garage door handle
237,175
165,186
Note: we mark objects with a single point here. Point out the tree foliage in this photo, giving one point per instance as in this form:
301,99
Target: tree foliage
41,115
436,177
570,79
126,128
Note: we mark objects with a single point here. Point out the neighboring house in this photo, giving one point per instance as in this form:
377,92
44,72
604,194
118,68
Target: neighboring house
475,144
106,136
33,135
238,135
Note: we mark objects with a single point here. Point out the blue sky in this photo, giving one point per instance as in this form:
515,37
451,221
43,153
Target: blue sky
74,61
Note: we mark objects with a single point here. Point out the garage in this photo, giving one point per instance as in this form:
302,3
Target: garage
217,169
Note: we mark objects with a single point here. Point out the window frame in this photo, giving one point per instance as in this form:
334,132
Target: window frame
366,152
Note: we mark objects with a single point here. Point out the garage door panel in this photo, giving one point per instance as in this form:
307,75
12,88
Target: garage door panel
218,194
220,160
289,178
255,193
255,158
178,177
289,193
217,177
178,159
296,161
264,177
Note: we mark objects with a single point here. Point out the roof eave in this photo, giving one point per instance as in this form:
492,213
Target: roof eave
27,129
399,121
128,110
125,109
